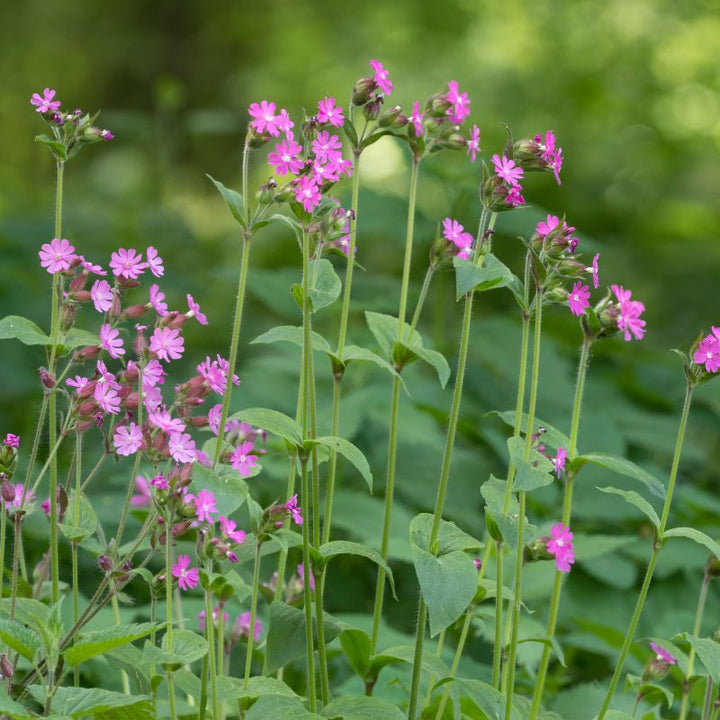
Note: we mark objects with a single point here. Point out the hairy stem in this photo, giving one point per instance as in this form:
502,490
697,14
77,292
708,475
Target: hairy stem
691,655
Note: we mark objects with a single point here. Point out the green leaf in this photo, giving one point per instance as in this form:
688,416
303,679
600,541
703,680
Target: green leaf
14,327
353,352
621,466
272,421
434,359
360,707
493,491
98,643
325,286
278,707
532,473
653,694
430,663
449,536
552,435
349,451
28,611
187,645
447,583
488,700
78,338
346,547
78,702
77,527
294,335
491,274
130,659
286,634
57,148
12,709
277,217
638,501
229,489
356,644
708,651
21,639
550,642
351,133
695,535
233,200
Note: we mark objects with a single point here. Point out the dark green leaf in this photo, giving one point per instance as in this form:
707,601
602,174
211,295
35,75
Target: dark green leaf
14,327
623,467
21,639
57,148
233,200
346,547
356,644
708,651
532,473
294,335
638,501
272,421
360,707
79,338
552,435
491,274
325,285
697,536
487,698
97,643
350,452
449,536
278,707
81,524
12,709
229,489
78,702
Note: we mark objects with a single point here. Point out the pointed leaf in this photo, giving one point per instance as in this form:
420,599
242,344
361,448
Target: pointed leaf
356,644
699,537
488,700
294,335
78,338
14,327
21,639
491,274
273,421
532,473
434,359
550,642
449,536
325,286
350,452
353,352
346,547
233,200
638,501
279,707
552,435
385,331
708,650
78,702
229,489
360,707
77,528
98,643
621,466
12,709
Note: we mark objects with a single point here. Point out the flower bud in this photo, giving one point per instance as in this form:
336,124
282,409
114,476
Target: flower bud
393,117
372,109
362,91
537,550
67,317
266,193
438,105
712,567
78,283
134,311
7,489
6,668
105,563
80,296
46,378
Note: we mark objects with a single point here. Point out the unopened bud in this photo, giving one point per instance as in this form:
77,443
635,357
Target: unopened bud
7,489
712,567
67,317
390,117
362,91
135,311
6,668
372,109
266,193
46,378
105,563
78,283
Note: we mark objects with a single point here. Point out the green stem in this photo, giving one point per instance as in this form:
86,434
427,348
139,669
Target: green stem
16,555
221,653
75,578
421,299
497,647
210,635
3,535
708,699
168,609
691,654
657,546
395,407
322,652
567,509
307,600
332,472
235,339
116,616
515,623
253,613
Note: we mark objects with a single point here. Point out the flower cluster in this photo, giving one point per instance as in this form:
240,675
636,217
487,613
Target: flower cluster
540,153
455,233
560,545
707,353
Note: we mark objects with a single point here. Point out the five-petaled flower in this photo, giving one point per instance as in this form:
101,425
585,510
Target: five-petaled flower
662,655
708,352
473,143
187,577
167,343
382,77
127,264
329,112
629,312
127,439
507,170
242,460
45,103
182,448
294,509
57,255
579,298
561,546
111,341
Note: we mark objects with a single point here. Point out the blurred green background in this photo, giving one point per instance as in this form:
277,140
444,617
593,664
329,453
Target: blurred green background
631,90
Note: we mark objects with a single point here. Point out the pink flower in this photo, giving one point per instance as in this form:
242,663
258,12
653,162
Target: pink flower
128,439
301,574
90,268
507,170
160,482
285,158
45,103
515,198
264,119
143,497
78,382
328,112
194,310
110,340
106,376
215,617
473,143
17,502
242,460
153,374
593,270
12,440
188,578
579,298
382,77
214,372
242,626
182,448
102,295
545,228
559,460
230,531
204,505
107,398
163,420
307,193
662,655
57,255
127,264
454,233
478,563
327,147
460,104
708,354
561,547
551,155
155,262
292,507
283,122
629,314
157,300
416,118
167,343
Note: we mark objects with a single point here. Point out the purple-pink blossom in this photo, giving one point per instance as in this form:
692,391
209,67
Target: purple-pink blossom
215,617
157,300
11,440
301,575
162,419
242,460
662,655
102,295
473,143
45,103
230,531
214,372
294,509
194,310
416,120
242,626
111,341
127,264
579,298
57,255
545,228
285,158
127,439
561,546
264,118
507,170
382,77
17,502
107,398
155,262
167,343
551,155
455,233
326,146
187,577
142,496
329,112
307,192
593,270
205,505
629,314
182,448
460,103
708,354
559,460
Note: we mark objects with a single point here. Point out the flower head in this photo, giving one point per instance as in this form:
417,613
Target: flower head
708,354
157,300
229,530
561,546
473,143
182,448
579,298
45,103
327,147
629,314
194,310
127,264
662,655
264,118
102,295
187,577
559,460
593,270
242,460
285,158
215,617
460,103
294,509
111,341
57,255
155,262
382,77
167,343
507,170
543,229
105,395
328,112
416,119
455,233
11,440
204,505
307,192
242,626
128,439
142,490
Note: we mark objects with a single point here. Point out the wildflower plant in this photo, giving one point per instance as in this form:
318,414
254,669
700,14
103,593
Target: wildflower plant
192,453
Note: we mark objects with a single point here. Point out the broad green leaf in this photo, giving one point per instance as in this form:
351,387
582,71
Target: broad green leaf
233,200
356,644
325,285
130,659
272,421
551,642
81,524
78,702
353,352
279,707
621,466
14,327
360,707
695,535
286,634
187,645
616,715
552,435
488,700
10,708
294,335
435,360
277,217
430,663
638,501
230,688
493,491
21,639
532,473
28,611
230,490
385,330
653,694
449,536
349,451
351,133
57,148
346,547
447,583
491,274
708,651
78,338
98,643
